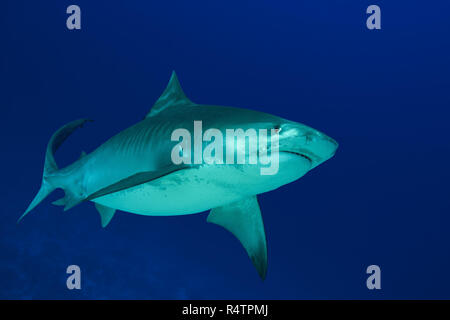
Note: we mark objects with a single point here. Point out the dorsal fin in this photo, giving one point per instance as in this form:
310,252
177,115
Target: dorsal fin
173,95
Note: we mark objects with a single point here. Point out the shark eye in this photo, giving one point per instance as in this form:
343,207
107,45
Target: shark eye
277,129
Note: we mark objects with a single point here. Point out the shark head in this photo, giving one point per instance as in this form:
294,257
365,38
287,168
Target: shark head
299,148
301,140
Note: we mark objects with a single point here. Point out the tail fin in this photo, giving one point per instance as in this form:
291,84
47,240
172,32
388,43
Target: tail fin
50,166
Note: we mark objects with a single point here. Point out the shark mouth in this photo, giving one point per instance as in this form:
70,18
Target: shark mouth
300,155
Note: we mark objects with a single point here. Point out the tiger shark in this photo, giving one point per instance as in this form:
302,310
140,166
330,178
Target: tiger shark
134,170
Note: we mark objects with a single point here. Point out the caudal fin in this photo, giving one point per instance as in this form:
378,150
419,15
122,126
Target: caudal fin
50,166
43,192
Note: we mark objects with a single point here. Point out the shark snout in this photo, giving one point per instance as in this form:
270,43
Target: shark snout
308,142
322,146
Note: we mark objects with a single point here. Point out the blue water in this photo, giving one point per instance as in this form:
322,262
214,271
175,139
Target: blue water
384,95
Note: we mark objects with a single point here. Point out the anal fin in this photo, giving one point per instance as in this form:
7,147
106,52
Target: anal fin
243,219
106,213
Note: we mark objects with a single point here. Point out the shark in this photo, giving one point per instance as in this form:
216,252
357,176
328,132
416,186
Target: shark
134,171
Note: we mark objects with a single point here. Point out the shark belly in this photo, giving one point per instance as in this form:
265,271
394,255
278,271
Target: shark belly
199,189
182,192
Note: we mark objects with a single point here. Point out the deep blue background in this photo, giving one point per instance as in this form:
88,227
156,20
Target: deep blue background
383,95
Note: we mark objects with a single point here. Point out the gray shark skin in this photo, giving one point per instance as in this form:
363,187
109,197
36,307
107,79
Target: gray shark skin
133,171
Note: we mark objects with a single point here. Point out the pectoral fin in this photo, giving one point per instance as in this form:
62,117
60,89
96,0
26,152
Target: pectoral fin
135,180
106,213
243,219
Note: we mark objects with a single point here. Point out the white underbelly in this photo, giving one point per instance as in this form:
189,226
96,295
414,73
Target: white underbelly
182,192
200,189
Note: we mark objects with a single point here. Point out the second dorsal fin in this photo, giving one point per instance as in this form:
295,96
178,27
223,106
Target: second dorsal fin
173,95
